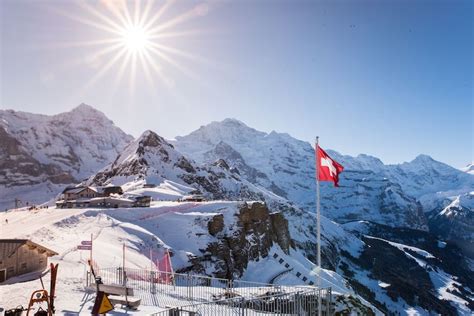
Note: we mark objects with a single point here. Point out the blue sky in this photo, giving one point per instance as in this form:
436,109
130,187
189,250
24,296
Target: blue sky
388,78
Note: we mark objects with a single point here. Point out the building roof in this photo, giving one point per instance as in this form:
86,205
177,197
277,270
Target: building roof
76,190
32,245
73,190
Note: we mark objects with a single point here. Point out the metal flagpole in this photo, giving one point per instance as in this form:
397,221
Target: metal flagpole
90,256
318,227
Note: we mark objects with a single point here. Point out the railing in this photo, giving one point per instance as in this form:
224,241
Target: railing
164,289
294,303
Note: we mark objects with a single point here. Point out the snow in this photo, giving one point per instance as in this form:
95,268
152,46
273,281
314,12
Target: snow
140,229
380,290
441,244
403,247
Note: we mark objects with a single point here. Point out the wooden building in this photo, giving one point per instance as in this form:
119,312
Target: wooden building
21,256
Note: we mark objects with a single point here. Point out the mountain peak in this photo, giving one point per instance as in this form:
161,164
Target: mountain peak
422,158
84,111
151,139
233,121
85,108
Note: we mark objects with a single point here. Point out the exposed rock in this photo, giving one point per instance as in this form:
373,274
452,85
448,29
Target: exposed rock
216,224
256,231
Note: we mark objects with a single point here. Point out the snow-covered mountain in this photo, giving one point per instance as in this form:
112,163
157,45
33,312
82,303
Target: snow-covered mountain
41,153
424,178
279,162
455,221
370,190
151,160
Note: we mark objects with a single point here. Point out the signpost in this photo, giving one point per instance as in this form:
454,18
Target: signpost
86,245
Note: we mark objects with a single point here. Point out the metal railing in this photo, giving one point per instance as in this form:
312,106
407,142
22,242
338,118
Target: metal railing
294,303
156,288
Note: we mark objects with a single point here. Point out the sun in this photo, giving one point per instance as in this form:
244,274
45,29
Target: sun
135,38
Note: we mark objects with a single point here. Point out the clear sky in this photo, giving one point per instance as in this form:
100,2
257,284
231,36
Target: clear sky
388,78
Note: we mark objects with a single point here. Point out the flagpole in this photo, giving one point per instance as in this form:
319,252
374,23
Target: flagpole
318,227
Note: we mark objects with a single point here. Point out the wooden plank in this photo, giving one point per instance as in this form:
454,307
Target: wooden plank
130,302
116,289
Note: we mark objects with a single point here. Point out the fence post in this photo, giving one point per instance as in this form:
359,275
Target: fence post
188,286
153,285
329,301
298,302
124,278
242,306
120,275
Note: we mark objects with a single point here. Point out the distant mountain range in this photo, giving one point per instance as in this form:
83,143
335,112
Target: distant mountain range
395,195
380,211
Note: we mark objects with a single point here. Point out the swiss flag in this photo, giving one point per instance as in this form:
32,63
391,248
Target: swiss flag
328,169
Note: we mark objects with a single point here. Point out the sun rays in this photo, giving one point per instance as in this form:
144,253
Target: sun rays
131,45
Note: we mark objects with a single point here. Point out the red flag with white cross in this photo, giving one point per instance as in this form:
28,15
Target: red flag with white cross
328,168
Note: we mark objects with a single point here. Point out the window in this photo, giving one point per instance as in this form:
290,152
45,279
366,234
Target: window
23,266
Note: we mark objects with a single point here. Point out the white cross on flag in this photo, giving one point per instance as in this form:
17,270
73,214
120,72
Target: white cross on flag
328,169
